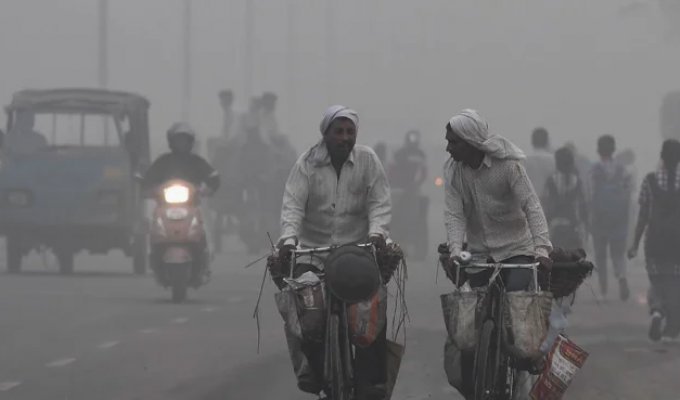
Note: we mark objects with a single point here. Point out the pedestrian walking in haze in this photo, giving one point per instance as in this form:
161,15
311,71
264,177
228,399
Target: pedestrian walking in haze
226,98
565,203
610,205
659,221
540,164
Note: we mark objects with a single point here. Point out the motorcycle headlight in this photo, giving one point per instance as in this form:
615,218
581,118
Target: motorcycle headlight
18,198
176,194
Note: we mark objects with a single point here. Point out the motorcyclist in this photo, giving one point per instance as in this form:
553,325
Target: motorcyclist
182,163
409,168
408,171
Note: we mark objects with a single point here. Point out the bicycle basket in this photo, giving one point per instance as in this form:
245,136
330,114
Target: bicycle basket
527,317
460,313
567,277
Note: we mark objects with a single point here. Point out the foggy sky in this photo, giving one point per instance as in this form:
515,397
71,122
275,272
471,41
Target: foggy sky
579,67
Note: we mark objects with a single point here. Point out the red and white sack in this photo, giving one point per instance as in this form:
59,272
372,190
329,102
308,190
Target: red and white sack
564,361
368,318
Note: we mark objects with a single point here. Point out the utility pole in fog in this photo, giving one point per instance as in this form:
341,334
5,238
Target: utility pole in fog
330,52
186,70
103,46
290,67
103,56
249,62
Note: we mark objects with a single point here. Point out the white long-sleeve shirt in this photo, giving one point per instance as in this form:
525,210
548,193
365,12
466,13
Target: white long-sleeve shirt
320,209
496,208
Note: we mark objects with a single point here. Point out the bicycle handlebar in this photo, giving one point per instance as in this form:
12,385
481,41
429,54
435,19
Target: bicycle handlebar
326,249
498,265
466,262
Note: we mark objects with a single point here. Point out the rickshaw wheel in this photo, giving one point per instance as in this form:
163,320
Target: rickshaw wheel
66,261
14,256
140,256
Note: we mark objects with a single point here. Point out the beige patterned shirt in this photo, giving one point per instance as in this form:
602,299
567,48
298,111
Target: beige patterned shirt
496,208
320,209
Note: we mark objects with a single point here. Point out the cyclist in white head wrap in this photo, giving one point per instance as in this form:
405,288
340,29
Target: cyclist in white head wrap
470,126
335,112
336,194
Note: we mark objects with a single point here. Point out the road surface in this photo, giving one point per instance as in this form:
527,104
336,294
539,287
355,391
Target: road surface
105,334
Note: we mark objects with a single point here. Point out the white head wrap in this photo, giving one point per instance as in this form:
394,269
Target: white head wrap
335,112
474,130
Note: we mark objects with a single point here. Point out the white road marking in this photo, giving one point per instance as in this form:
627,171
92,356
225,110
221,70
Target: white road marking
148,331
7,386
108,345
60,363
180,320
594,339
209,309
637,350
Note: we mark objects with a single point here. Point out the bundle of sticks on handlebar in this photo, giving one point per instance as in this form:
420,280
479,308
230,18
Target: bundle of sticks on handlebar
569,270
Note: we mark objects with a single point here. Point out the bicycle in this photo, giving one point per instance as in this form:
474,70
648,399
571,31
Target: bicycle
494,369
338,371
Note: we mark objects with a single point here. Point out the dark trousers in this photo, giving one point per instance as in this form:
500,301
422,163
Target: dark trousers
370,363
370,367
664,297
614,246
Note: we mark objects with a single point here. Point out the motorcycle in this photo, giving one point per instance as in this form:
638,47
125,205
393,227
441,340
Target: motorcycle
409,223
179,251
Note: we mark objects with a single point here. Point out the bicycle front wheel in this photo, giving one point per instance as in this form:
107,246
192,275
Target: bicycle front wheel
338,384
488,364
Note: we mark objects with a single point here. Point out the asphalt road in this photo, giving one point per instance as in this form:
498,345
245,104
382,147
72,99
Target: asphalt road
105,334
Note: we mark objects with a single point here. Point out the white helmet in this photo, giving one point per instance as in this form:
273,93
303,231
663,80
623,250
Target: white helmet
179,129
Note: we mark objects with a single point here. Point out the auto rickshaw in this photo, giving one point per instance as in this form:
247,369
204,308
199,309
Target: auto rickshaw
66,181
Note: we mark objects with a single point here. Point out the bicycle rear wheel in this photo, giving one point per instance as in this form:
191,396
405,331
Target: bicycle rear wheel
489,371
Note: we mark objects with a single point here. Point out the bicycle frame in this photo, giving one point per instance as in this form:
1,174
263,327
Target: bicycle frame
493,369
339,356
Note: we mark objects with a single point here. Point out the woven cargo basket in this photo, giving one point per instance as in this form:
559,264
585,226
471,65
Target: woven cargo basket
567,277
